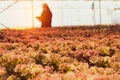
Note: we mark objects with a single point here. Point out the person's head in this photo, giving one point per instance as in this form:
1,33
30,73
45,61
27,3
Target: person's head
45,6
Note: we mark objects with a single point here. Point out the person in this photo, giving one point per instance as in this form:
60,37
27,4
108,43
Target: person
46,16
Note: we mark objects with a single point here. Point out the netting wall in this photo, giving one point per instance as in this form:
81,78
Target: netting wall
20,14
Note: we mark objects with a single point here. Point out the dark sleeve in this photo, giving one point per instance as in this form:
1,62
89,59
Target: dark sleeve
42,16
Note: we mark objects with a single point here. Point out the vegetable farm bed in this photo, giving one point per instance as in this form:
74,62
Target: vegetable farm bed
61,53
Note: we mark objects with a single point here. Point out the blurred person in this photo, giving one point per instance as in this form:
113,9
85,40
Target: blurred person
46,16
